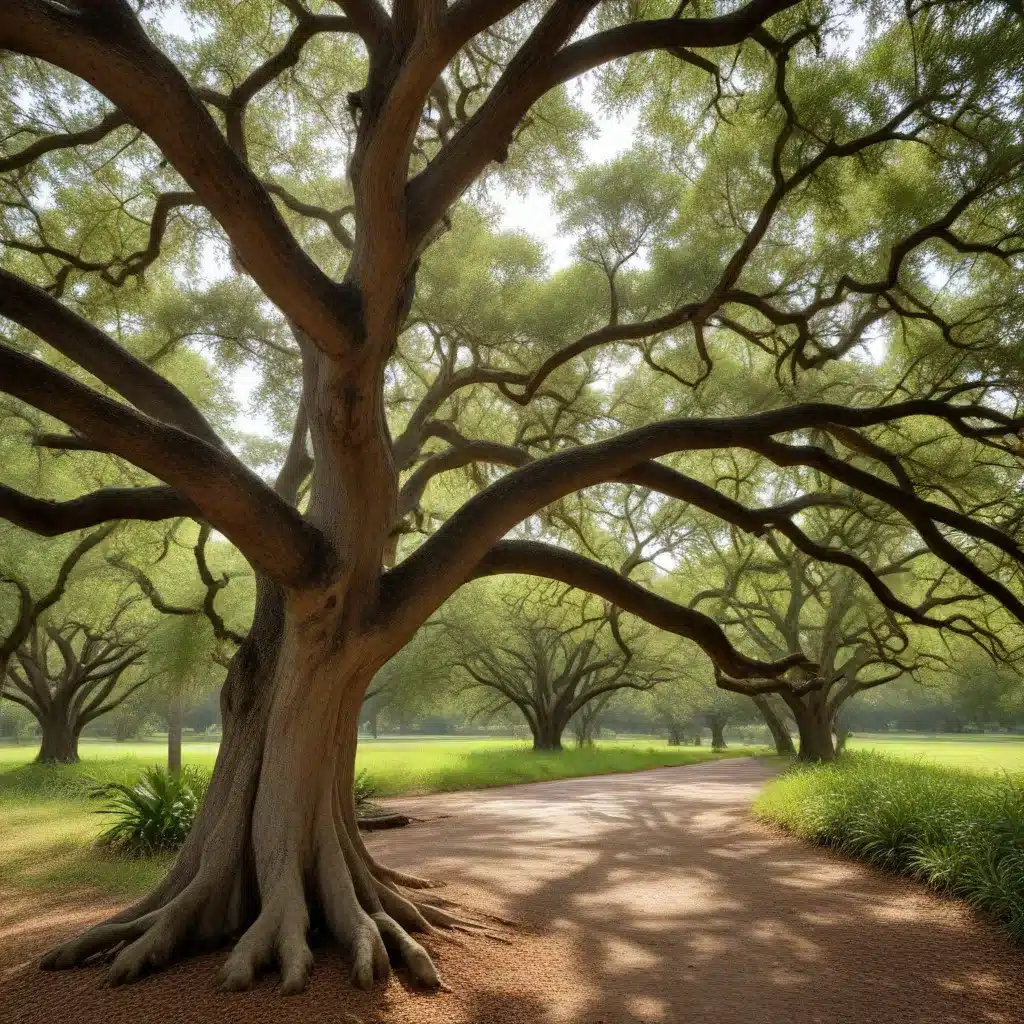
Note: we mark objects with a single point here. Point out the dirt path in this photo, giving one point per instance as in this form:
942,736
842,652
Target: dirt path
643,899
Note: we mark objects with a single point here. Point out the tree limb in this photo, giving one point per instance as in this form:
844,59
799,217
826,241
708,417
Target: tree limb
543,63
52,518
99,354
265,528
447,558
536,559
106,45
67,140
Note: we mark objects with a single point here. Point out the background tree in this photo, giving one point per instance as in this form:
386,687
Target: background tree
974,694
586,723
778,596
418,681
192,642
775,719
68,675
673,709
65,661
550,657
78,659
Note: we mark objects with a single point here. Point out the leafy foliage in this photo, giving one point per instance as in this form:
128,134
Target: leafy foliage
365,792
155,814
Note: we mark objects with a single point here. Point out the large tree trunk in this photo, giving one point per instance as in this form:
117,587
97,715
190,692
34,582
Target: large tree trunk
59,738
276,842
780,734
175,718
815,726
276,839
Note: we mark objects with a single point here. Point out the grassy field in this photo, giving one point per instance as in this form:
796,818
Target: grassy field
959,831
48,822
973,752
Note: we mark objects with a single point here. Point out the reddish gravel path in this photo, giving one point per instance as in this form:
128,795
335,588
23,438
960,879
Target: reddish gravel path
642,898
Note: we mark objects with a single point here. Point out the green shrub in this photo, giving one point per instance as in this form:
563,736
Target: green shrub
155,814
961,833
365,793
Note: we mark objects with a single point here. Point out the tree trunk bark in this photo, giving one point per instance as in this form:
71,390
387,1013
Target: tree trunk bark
814,725
277,838
717,726
780,734
547,735
59,743
175,718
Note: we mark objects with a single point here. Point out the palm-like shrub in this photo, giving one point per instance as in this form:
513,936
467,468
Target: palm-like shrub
155,814
365,793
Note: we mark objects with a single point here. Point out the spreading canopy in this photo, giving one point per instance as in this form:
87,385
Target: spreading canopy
812,264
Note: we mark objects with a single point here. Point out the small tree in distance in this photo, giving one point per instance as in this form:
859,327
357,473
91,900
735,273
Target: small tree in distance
552,660
69,674
69,666
192,642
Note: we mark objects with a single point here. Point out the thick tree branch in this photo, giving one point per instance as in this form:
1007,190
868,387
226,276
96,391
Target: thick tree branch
535,559
370,20
52,518
298,463
100,355
447,558
463,454
105,45
543,63
265,528
759,687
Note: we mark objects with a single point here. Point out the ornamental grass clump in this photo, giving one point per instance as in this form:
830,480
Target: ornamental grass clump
960,832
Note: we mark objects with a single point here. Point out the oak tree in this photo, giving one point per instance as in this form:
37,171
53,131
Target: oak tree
824,193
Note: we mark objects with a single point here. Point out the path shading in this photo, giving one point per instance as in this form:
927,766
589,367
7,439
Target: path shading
649,898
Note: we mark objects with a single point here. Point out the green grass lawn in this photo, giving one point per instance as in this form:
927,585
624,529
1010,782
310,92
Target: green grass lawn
974,752
48,823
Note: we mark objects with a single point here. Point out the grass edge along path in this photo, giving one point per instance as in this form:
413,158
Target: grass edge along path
960,832
48,823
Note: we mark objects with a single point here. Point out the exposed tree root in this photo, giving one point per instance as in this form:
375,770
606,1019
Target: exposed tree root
391,875
377,822
359,901
438,901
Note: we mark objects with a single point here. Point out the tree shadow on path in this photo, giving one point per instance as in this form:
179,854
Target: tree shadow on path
673,905
641,898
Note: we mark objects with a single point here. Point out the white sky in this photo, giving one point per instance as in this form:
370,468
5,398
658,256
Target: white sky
534,213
